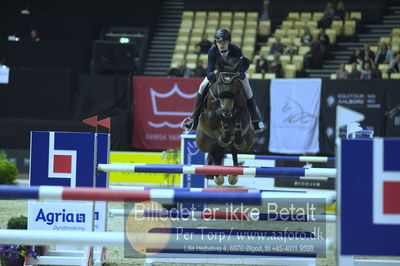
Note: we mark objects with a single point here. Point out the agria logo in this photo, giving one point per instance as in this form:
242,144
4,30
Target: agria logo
60,217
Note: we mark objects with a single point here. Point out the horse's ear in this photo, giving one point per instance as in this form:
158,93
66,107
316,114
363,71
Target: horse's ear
237,65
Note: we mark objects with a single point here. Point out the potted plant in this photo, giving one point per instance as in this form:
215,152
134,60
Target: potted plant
16,255
8,170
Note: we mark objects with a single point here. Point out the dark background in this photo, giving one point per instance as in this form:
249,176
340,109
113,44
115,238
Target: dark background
52,88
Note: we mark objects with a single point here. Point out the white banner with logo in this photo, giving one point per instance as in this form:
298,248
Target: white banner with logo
4,74
295,105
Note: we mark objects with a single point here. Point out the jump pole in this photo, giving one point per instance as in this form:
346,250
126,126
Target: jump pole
36,237
305,159
229,216
283,172
168,197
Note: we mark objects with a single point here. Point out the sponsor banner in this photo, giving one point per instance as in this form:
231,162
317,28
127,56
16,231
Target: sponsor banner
370,169
363,96
61,217
62,159
295,105
160,105
141,178
68,159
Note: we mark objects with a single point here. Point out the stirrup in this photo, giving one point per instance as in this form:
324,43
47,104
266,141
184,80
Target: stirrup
186,122
258,126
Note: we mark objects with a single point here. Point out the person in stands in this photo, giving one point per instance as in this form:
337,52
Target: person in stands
204,45
223,48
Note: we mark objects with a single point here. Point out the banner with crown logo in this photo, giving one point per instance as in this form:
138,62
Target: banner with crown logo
160,105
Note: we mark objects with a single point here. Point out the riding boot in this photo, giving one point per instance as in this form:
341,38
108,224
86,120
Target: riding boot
191,122
255,115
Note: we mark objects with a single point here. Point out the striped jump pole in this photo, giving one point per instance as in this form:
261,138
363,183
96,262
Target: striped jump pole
305,159
39,237
174,242
284,172
228,216
168,197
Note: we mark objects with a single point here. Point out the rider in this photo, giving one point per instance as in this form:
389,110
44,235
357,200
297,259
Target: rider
224,48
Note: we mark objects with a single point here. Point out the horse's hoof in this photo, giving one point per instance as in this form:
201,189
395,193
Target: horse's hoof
232,179
219,180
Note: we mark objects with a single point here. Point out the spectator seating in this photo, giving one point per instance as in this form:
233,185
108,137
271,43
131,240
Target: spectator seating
243,25
292,28
393,42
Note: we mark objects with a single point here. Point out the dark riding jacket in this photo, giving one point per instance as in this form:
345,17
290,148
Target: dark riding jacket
234,51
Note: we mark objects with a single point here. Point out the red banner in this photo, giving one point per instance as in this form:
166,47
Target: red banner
160,105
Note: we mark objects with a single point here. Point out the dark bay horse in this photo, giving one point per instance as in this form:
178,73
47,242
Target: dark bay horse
225,126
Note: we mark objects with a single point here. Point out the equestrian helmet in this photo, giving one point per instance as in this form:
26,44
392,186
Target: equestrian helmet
222,35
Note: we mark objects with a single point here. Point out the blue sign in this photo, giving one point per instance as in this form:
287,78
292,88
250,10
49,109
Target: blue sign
192,155
369,188
103,151
67,159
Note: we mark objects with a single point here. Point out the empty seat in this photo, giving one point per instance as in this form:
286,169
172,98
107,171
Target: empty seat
287,24
384,40
348,67
303,50
349,27
213,15
298,60
290,71
338,26
396,32
188,15
293,16
252,16
269,76
191,58
317,16
265,49
280,33
226,15
292,33
200,15
305,16
395,76
332,35
285,60
264,28
257,76
383,67
299,25
333,76
355,15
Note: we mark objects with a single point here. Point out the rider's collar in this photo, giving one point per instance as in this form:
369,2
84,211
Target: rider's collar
224,53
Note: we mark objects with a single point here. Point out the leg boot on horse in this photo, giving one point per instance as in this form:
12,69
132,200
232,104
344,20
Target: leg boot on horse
191,122
255,115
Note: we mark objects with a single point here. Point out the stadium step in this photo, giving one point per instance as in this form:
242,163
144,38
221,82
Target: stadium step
163,41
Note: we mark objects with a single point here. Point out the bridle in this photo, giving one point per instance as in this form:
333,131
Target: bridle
226,78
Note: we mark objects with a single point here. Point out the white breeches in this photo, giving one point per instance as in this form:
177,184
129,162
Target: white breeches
245,83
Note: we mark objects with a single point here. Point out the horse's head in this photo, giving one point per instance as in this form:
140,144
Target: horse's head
229,88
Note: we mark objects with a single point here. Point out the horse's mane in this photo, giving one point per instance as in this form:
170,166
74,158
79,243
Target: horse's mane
228,65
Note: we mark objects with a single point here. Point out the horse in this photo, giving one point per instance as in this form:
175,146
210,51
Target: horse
225,124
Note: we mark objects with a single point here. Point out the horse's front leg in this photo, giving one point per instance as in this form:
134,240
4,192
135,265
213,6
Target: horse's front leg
239,142
225,139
